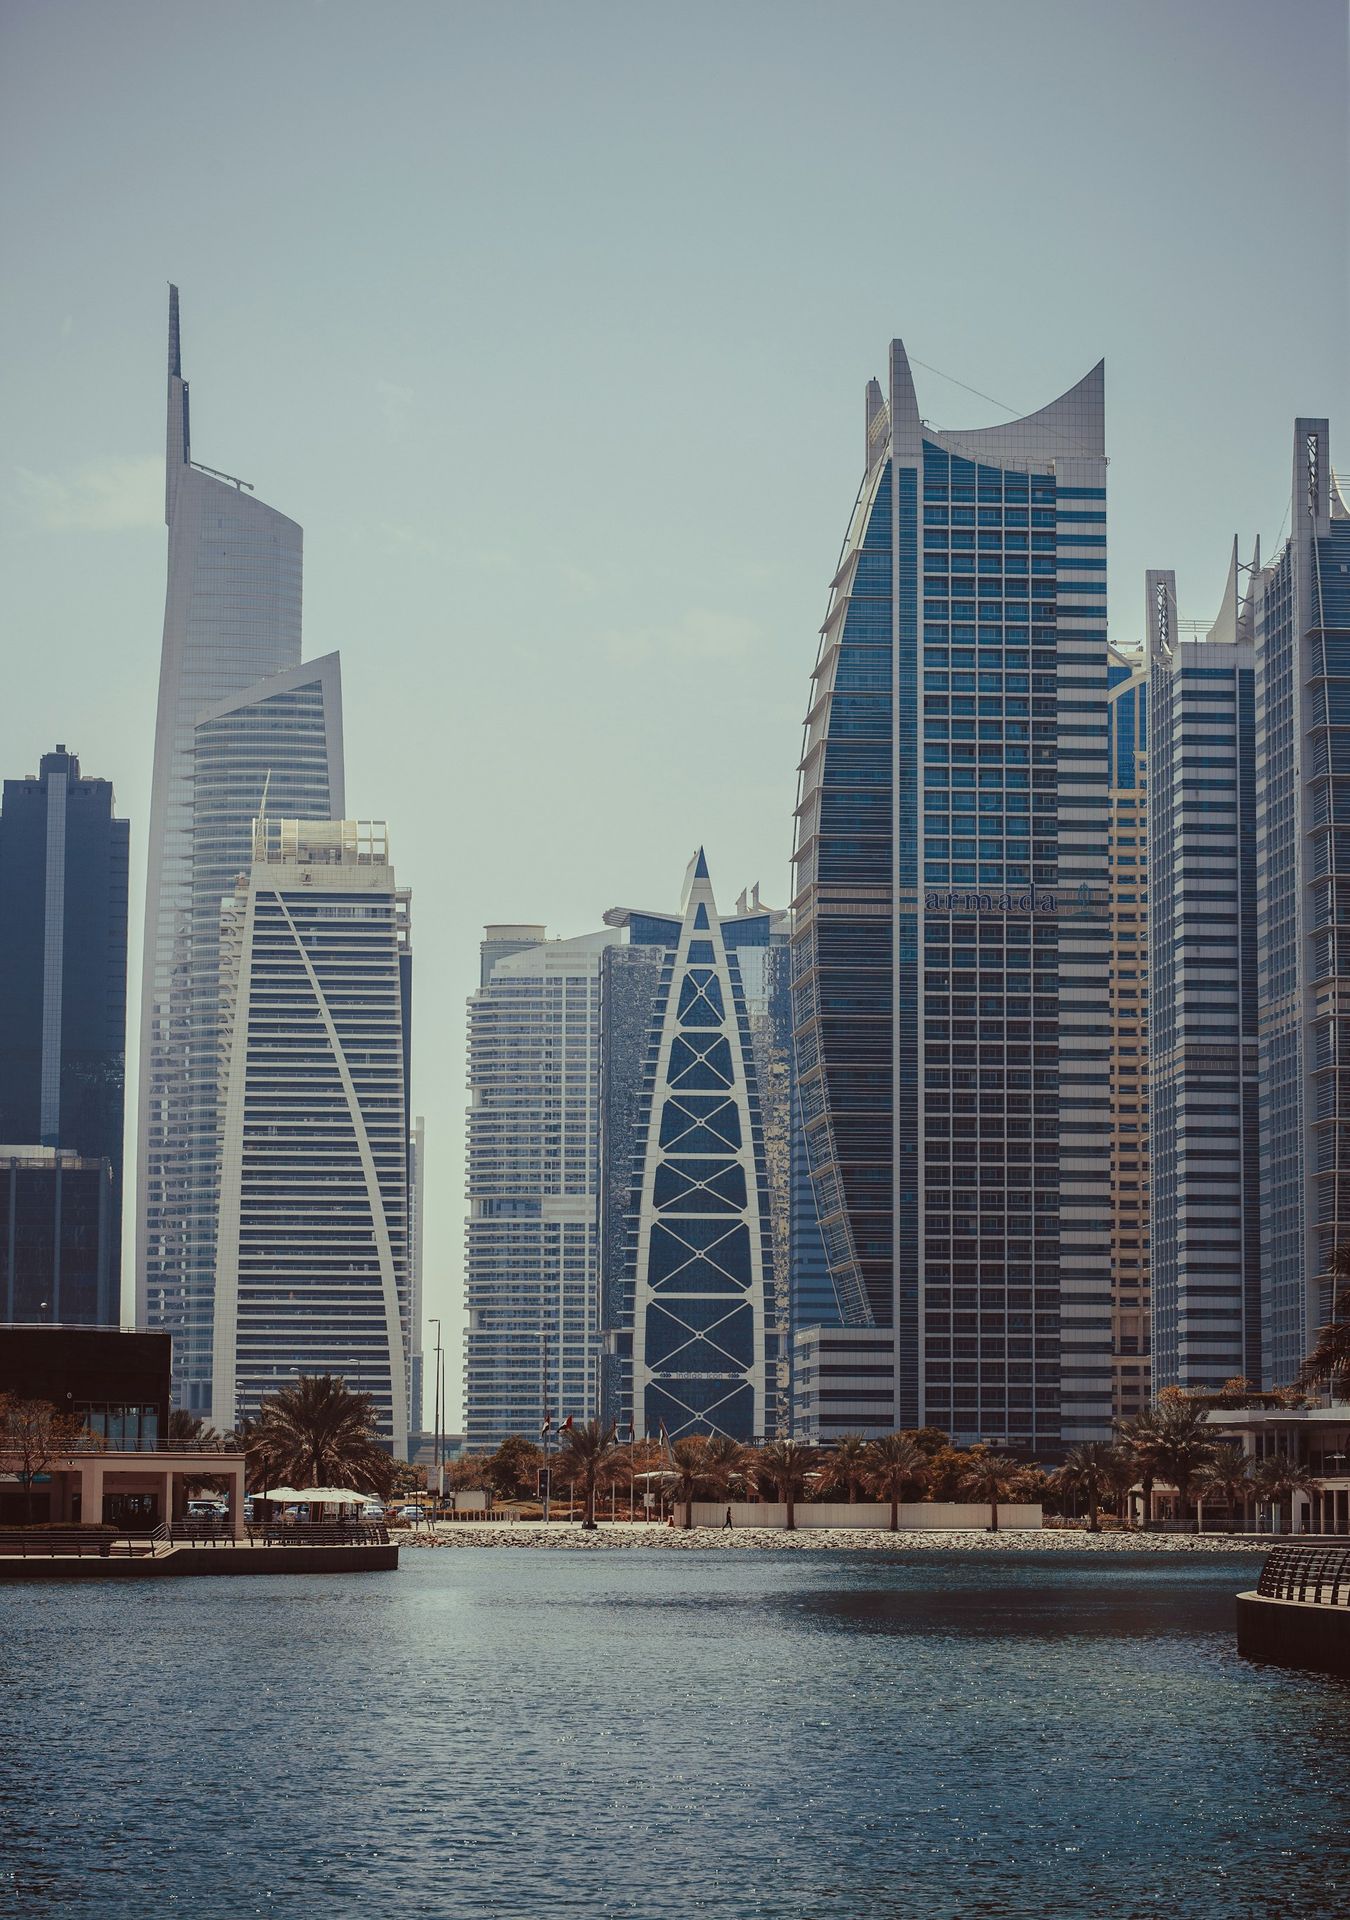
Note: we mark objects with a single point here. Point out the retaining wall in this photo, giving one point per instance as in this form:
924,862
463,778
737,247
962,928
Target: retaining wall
916,1516
1294,1633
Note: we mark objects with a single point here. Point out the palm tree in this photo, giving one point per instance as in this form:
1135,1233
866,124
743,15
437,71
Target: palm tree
1089,1469
318,1432
894,1464
1277,1479
1184,1445
1141,1437
690,1467
587,1454
846,1467
727,1461
785,1463
190,1430
1227,1478
992,1477
1121,1476
1330,1358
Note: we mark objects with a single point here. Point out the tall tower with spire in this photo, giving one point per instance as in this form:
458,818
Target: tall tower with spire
235,707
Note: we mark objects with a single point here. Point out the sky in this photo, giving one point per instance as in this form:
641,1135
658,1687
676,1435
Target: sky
551,323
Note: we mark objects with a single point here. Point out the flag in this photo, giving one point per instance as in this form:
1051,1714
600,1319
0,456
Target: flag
613,1433
547,1427
566,1426
665,1442
632,1434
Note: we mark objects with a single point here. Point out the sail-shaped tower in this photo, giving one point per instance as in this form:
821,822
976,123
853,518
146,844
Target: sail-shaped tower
951,933
237,715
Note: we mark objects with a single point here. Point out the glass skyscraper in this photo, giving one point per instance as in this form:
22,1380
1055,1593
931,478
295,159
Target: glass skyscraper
1203,992
1127,988
241,727
697,1168
1250,857
532,1237
316,1250
63,997
1302,633
951,931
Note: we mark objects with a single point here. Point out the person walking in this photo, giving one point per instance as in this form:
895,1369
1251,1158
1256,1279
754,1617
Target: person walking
727,1522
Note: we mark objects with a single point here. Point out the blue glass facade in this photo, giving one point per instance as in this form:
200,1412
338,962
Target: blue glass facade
951,934
1302,614
63,980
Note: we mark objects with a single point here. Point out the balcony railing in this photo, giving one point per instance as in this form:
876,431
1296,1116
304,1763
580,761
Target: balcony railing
1317,1574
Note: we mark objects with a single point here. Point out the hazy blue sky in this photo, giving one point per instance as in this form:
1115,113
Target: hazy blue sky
550,324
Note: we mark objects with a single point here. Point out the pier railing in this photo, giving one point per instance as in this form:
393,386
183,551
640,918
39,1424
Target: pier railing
52,1543
1317,1574
321,1533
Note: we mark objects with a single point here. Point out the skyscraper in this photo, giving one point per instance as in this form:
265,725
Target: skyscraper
241,726
950,930
1302,633
63,979
697,1166
1127,863
316,1250
1203,984
532,1237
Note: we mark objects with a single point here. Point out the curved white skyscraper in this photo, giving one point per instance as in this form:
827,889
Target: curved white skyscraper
315,1255
236,713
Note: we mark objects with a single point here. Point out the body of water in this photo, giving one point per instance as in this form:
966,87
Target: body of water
802,1736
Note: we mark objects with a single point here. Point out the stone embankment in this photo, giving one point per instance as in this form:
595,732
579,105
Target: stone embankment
609,1534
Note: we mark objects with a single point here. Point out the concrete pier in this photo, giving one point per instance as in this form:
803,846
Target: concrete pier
1299,1615
169,1562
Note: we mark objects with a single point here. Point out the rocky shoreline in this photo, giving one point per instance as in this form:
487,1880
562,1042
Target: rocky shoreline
568,1536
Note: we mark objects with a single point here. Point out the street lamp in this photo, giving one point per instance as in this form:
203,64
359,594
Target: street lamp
437,1455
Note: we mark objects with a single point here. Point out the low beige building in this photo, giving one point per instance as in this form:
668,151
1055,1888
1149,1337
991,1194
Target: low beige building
135,1491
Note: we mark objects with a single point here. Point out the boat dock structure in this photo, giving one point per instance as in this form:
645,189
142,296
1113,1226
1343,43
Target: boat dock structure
1299,1613
101,1553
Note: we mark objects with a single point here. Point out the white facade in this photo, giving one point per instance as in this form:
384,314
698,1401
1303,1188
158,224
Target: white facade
315,1247
1206,1294
237,714
532,1254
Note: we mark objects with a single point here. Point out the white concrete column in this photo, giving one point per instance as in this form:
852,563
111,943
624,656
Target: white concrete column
91,1492
236,1474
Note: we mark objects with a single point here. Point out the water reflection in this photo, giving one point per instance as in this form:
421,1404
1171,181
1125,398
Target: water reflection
648,1736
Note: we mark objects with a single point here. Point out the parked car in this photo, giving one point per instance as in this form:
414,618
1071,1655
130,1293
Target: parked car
412,1513
207,1509
374,1511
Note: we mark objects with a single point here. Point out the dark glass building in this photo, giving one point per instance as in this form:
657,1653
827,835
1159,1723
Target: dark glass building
63,972
58,1238
950,927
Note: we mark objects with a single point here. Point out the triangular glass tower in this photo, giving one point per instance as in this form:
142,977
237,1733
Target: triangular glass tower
703,1280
